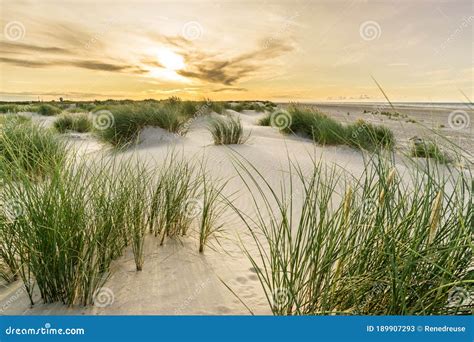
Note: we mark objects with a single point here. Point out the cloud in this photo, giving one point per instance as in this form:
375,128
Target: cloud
97,65
84,64
55,93
152,62
23,63
215,69
7,47
218,90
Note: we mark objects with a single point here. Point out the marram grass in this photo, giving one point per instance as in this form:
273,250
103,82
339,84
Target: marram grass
70,226
227,130
27,147
211,213
379,244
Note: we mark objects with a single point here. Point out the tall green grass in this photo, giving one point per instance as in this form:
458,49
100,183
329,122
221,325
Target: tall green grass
389,242
48,110
366,136
227,130
429,149
16,108
71,225
212,210
125,122
175,200
322,129
256,106
76,123
325,130
30,148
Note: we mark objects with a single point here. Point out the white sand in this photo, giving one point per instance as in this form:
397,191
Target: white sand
176,279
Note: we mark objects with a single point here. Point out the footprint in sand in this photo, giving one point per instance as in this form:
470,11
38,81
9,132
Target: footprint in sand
253,277
241,280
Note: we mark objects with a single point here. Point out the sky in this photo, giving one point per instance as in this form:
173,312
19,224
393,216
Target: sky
299,51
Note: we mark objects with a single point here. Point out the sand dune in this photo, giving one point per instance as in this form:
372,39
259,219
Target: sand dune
176,279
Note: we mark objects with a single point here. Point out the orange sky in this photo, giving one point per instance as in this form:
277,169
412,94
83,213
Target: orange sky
276,50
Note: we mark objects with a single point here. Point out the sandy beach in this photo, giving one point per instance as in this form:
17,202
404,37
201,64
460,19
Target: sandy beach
176,279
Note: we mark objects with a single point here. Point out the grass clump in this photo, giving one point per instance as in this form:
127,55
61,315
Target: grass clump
212,209
266,120
373,245
370,137
325,130
217,107
428,149
76,123
123,123
69,227
27,147
175,200
9,108
82,107
189,108
48,110
227,130
256,106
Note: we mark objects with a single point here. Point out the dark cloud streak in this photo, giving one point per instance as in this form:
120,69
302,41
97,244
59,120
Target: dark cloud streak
8,47
84,64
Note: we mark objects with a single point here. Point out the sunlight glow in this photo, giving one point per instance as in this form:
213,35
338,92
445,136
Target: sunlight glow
170,60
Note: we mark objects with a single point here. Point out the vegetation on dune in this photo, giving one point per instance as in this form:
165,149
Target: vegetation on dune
16,108
227,130
60,232
218,107
364,135
76,123
65,230
327,242
189,108
175,199
368,246
327,131
265,121
428,149
124,123
8,108
48,110
27,147
323,129
212,209
256,106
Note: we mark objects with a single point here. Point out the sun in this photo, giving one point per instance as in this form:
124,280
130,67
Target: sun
170,60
